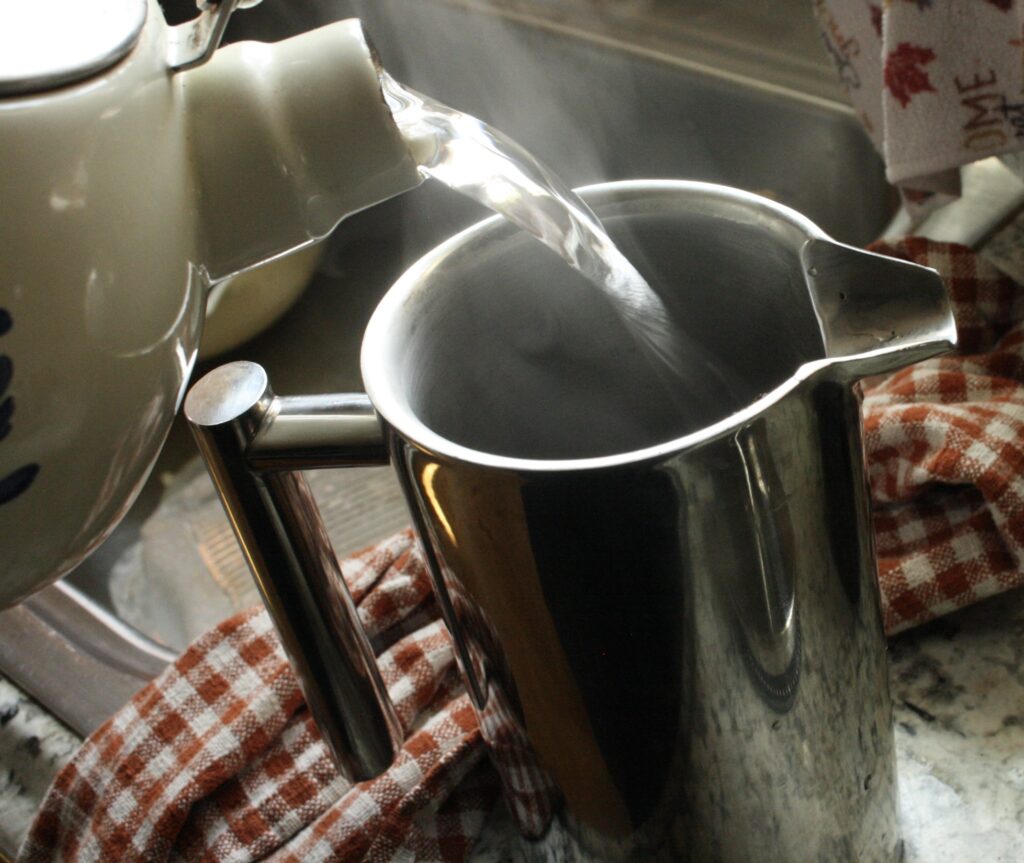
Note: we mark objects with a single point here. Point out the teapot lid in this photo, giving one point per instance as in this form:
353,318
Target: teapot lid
49,44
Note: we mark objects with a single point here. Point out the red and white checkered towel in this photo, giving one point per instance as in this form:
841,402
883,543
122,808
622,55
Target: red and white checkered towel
945,447
218,760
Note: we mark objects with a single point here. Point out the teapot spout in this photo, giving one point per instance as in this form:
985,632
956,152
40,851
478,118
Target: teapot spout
287,139
876,313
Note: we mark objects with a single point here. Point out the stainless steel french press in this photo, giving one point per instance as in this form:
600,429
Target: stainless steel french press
671,635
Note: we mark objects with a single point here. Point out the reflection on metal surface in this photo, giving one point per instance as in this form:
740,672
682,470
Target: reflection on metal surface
429,474
768,623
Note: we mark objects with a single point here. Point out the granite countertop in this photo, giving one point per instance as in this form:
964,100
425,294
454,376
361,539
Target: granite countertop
33,747
958,687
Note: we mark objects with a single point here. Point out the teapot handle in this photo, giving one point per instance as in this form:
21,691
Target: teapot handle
876,313
191,44
255,445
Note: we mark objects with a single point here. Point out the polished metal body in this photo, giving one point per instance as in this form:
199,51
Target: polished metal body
277,523
669,626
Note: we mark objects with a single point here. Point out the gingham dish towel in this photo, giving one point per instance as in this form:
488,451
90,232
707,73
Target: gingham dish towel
217,759
937,83
945,450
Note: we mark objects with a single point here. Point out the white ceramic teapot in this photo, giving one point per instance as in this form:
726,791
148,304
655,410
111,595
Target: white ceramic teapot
129,186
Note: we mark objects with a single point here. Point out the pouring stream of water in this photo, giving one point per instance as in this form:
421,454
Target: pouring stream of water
478,161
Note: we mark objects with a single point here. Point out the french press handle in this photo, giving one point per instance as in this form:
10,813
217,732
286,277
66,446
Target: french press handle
255,445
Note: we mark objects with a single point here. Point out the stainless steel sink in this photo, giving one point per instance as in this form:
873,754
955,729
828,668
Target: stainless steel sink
731,92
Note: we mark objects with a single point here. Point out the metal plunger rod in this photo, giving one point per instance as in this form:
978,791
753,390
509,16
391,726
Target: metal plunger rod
278,525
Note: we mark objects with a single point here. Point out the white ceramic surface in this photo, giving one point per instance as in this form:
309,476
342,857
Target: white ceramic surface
124,196
242,306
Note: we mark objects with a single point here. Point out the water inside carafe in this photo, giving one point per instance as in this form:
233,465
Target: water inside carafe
480,162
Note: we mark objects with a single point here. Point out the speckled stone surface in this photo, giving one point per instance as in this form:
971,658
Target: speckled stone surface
958,686
33,747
